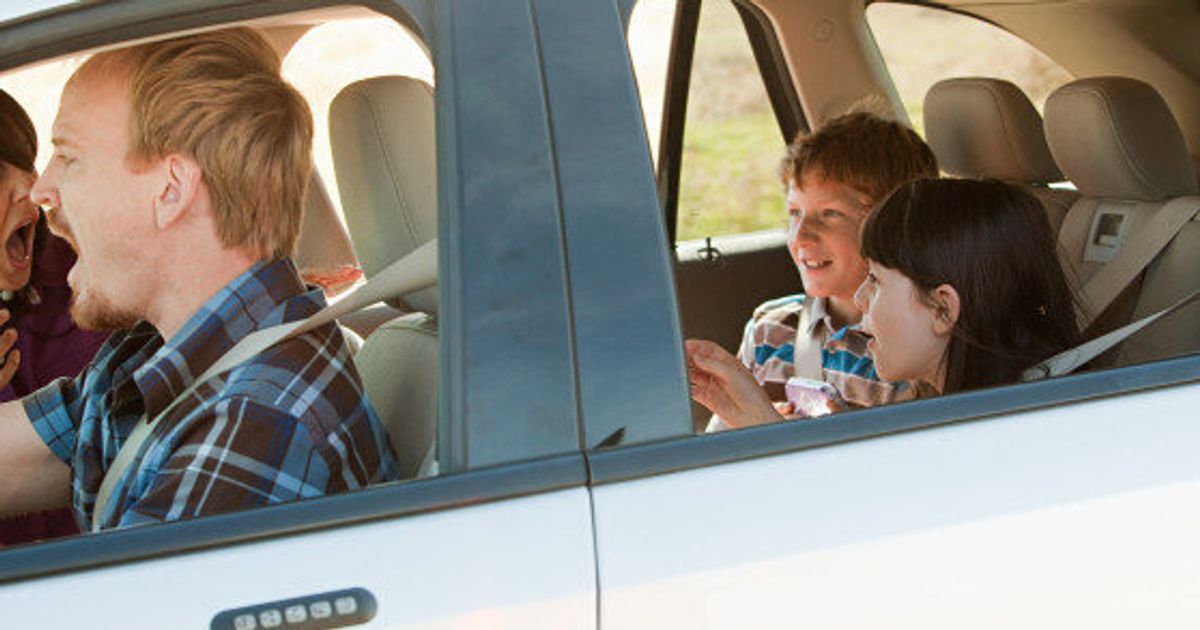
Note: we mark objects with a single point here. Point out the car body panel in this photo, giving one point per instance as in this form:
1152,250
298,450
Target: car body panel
523,563
1065,516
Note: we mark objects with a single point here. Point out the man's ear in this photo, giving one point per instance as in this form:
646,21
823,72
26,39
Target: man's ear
946,308
181,187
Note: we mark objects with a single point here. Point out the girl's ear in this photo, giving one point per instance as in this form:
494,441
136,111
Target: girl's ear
946,308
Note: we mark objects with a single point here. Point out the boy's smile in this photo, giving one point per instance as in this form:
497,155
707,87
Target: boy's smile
824,218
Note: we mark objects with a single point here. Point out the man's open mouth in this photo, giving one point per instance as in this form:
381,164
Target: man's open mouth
19,243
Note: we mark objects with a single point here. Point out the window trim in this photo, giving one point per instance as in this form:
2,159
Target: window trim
772,69
674,113
638,461
772,66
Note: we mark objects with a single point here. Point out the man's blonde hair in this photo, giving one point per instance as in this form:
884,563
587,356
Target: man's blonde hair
219,99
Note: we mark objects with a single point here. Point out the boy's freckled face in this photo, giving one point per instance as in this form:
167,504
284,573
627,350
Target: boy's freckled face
823,222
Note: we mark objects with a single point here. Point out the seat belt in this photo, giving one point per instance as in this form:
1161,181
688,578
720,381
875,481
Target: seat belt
416,271
1134,256
1068,360
806,360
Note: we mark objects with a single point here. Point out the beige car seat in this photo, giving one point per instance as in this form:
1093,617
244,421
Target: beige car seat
384,152
982,127
1117,140
323,242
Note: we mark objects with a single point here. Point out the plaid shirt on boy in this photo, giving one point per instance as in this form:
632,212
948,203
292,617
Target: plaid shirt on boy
290,423
768,349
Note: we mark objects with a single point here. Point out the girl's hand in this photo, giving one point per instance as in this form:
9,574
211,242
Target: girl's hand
722,384
9,361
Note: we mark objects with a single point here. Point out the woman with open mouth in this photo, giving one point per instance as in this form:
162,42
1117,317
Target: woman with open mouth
39,342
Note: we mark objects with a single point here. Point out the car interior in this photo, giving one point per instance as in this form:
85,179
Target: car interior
1113,148
1116,146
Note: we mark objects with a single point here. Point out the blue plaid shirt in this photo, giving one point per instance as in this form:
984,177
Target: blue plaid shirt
290,423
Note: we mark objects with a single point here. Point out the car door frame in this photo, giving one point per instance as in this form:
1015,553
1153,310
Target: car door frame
500,443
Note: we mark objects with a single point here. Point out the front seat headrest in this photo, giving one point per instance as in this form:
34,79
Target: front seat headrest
982,127
384,146
1115,137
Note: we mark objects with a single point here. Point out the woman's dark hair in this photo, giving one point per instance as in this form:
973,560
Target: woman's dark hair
18,139
18,148
992,242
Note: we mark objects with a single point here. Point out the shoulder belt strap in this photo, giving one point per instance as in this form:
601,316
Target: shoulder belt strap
1067,361
806,358
416,271
1133,257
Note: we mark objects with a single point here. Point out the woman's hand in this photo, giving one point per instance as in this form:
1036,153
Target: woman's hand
9,361
722,384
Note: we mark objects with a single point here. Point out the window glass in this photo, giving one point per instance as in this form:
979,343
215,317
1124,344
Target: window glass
320,64
649,35
923,45
731,143
334,55
37,89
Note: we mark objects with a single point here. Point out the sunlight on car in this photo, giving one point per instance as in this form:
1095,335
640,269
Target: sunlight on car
333,55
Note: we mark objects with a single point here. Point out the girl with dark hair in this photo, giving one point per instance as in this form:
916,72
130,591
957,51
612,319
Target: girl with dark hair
964,290
39,342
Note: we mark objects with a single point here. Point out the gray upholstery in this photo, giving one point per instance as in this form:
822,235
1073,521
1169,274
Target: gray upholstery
384,151
980,127
1116,138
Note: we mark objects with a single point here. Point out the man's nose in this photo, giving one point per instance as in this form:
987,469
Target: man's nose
42,193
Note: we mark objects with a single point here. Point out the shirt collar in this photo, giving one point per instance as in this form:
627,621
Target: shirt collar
256,299
820,315
817,316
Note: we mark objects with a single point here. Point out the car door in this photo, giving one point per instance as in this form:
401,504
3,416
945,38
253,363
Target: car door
1062,503
502,537
1065,503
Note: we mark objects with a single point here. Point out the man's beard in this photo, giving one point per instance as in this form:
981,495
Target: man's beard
97,312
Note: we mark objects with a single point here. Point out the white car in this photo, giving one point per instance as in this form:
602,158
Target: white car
546,149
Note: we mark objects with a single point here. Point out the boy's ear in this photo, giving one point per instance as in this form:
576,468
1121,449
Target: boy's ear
946,308
181,184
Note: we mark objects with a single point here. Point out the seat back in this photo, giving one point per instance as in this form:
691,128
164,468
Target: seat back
1117,140
384,152
983,127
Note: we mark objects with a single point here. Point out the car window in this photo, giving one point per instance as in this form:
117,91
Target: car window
922,45
333,55
401,375
649,35
731,143
37,89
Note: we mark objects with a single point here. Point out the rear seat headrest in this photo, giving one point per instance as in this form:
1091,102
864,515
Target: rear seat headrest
981,127
382,134
1115,137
